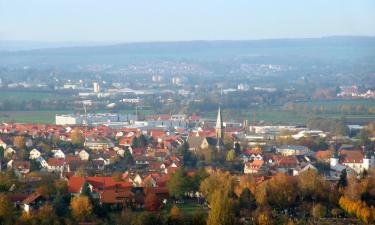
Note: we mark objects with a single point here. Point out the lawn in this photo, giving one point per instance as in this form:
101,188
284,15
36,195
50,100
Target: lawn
186,208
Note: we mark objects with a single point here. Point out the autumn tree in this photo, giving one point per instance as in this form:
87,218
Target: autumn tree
46,215
217,181
221,212
231,154
81,208
282,190
152,202
318,211
309,183
6,209
174,216
77,137
19,142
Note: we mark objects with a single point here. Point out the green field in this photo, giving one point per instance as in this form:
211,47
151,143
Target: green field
187,208
16,95
277,115
44,117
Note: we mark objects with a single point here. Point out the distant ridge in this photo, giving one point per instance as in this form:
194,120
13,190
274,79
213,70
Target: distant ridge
6,45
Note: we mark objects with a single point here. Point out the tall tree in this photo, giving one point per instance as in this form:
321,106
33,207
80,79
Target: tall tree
342,181
81,208
217,181
221,212
247,199
6,209
282,190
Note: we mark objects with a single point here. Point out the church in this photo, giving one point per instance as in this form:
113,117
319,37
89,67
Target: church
205,141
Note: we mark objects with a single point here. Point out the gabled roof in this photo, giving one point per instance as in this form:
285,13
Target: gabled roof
349,156
99,183
31,198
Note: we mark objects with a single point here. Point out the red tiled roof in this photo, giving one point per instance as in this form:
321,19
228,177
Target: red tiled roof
349,156
99,183
56,161
324,154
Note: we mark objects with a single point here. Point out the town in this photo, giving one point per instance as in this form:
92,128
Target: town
187,112
90,171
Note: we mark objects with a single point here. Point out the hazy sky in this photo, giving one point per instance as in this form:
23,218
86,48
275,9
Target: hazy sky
166,20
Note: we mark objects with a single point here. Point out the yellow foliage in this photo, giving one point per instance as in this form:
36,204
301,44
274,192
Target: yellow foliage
81,207
358,209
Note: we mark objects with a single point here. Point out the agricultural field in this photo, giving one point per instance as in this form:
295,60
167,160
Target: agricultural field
17,95
42,117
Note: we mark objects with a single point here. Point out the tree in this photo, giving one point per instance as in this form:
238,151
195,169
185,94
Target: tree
197,178
221,212
247,199
309,183
1,152
152,202
46,215
77,137
342,181
128,158
179,184
61,204
318,211
217,181
6,209
175,211
85,190
282,190
81,208
174,216
19,142
228,142
231,155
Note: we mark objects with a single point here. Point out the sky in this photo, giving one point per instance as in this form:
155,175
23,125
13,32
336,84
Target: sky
180,20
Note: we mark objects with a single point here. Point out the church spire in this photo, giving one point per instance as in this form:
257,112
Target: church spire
219,129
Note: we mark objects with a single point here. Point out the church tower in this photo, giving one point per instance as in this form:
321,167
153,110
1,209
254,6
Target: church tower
219,130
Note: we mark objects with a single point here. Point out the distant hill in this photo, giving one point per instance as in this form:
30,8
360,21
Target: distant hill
326,48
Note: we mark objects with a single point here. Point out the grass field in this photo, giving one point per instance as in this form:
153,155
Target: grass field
187,208
18,96
44,117
276,115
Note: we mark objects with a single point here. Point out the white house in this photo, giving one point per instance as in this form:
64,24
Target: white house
84,155
353,159
42,161
3,144
58,154
9,152
256,166
56,164
288,150
34,154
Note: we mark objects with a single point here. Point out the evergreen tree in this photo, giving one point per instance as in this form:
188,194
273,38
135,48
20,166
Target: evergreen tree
342,181
247,199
